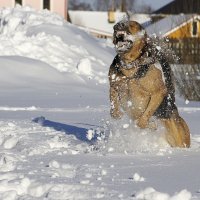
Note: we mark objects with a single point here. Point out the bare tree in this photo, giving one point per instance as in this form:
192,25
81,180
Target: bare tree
122,5
125,5
102,5
146,9
76,5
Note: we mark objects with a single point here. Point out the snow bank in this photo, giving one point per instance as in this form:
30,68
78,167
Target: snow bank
45,36
24,186
152,194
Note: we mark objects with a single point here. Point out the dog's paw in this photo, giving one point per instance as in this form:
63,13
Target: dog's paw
116,114
143,122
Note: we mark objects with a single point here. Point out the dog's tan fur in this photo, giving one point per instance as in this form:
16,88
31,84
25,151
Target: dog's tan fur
140,98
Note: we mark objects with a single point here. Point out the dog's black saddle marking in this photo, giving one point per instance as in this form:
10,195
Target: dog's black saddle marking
141,72
167,106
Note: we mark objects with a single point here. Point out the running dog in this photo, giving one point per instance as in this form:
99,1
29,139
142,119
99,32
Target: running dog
141,84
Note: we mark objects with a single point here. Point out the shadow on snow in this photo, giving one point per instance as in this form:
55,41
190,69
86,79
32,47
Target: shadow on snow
78,132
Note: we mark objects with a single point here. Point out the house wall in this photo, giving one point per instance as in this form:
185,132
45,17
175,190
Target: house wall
33,3
57,6
60,8
185,32
6,3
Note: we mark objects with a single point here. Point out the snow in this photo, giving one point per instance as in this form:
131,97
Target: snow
57,140
152,194
23,35
90,134
84,66
138,178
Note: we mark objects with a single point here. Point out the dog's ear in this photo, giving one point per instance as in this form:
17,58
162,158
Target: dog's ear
115,28
134,27
114,39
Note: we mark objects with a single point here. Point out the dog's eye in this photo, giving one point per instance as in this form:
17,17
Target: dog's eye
122,25
119,26
121,33
115,27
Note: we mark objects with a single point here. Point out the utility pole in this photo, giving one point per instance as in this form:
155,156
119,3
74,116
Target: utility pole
123,6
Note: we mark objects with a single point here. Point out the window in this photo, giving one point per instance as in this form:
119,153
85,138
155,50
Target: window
194,28
18,2
46,4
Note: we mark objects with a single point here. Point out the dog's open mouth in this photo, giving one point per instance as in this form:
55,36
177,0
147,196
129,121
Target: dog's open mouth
124,41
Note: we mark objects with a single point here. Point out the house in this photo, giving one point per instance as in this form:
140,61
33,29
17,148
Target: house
177,26
53,5
180,6
100,24
183,33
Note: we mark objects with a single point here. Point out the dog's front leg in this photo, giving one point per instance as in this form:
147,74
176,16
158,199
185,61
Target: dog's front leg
154,85
114,80
154,103
115,104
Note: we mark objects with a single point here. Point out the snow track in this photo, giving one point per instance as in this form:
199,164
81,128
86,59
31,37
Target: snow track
30,152
38,161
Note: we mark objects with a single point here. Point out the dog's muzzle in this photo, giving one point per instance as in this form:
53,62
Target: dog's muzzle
123,41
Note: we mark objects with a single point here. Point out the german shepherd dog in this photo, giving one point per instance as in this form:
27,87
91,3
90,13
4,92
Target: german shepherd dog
141,84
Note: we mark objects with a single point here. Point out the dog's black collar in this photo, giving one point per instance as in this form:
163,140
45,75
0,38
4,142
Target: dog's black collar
128,65
143,66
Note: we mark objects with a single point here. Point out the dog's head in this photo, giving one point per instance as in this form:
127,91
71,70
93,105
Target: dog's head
127,34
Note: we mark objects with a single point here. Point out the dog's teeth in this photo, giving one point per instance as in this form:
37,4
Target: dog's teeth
121,33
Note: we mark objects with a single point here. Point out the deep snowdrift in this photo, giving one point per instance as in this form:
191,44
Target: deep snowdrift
44,36
80,60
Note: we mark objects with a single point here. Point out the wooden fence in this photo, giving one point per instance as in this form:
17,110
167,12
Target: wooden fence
187,71
187,79
187,49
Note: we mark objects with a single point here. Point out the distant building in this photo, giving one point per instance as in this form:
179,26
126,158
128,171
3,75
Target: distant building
177,26
183,33
100,24
52,5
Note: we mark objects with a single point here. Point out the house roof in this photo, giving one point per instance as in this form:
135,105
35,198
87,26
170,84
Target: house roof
169,24
98,21
180,6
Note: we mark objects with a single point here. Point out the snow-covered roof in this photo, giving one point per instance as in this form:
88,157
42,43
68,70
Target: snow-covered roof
169,24
98,21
